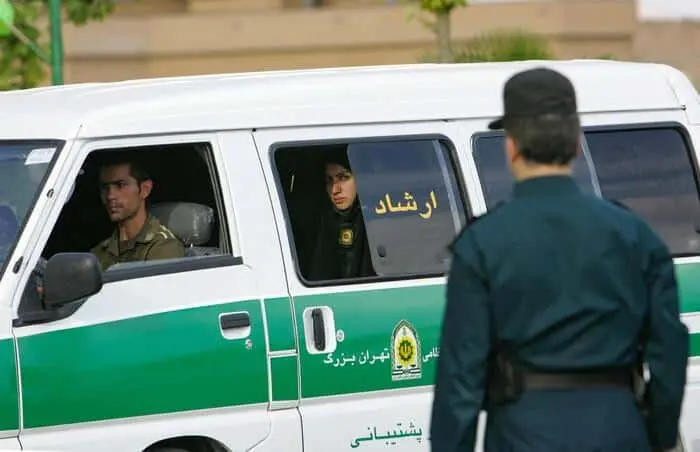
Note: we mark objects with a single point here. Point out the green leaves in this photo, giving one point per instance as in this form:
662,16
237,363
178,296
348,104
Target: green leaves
505,45
441,28
82,11
21,67
440,6
7,17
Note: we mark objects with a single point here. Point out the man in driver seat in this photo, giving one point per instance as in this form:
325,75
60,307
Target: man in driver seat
124,188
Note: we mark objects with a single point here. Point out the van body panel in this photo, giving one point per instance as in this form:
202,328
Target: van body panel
272,99
171,341
79,370
146,358
13,444
349,388
9,389
252,427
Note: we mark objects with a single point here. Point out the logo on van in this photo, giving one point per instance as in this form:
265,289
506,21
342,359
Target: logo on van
405,353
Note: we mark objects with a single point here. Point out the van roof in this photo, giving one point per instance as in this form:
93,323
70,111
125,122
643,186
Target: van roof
314,97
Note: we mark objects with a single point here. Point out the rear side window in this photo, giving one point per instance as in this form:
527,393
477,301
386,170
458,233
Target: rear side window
652,172
495,176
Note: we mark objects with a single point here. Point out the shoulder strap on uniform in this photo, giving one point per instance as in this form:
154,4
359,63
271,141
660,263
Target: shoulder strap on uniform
166,233
473,219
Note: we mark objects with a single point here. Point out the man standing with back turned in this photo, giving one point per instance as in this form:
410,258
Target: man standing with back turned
550,299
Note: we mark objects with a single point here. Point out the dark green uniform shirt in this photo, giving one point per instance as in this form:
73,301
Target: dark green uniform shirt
568,281
154,241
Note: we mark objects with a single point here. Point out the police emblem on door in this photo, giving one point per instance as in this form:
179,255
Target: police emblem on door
405,353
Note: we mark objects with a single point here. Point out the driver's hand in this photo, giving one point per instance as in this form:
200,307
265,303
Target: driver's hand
38,275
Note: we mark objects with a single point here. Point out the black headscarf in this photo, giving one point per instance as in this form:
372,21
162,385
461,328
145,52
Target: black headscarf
342,249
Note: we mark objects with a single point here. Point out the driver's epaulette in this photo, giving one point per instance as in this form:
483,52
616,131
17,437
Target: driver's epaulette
471,221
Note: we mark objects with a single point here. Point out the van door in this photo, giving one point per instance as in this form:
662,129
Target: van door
24,166
368,345
9,396
167,348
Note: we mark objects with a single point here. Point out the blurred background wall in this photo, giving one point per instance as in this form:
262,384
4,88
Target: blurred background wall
147,38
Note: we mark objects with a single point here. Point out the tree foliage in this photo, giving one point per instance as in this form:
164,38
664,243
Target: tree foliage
441,26
20,66
504,45
440,6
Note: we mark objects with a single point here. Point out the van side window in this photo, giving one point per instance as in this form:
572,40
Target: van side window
651,171
409,198
411,204
185,198
494,174
490,159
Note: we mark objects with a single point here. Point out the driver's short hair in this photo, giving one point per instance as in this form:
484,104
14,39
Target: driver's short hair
137,169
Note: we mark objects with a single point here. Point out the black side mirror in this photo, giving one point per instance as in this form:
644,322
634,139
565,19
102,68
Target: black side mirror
69,277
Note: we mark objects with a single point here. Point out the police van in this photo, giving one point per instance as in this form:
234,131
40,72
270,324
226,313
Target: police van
232,347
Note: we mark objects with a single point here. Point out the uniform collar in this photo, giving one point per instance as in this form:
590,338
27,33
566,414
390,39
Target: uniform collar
144,236
545,185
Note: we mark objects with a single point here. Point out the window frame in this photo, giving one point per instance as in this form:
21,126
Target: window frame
690,151
208,144
452,159
500,133
677,126
60,146
472,145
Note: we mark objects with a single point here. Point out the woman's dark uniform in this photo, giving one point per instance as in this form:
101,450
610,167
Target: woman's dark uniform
341,250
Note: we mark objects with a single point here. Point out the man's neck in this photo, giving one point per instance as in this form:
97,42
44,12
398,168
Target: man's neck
533,171
128,229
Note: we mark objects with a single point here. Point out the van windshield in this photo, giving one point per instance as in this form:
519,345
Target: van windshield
23,168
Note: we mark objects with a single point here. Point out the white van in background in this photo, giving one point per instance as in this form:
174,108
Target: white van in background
232,348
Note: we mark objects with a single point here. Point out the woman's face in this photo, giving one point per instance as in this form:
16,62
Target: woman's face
340,186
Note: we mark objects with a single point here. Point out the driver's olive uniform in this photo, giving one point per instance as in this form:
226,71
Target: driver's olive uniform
153,242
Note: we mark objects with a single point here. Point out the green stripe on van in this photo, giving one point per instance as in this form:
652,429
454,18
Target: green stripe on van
179,361
162,363
9,398
694,345
688,277
285,383
279,324
365,322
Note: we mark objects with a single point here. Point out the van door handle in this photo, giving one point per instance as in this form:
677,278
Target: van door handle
234,321
319,329
320,335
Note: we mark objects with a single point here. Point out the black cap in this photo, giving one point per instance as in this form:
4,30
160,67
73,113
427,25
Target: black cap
535,92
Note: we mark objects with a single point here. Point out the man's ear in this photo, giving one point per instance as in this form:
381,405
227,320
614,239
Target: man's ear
512,153
146,187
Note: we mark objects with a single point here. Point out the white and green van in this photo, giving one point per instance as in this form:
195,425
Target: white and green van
231,348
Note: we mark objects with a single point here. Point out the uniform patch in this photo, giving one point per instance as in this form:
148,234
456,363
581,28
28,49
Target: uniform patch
346,236
406,362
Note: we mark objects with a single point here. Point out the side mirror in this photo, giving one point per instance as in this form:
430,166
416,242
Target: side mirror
71,276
